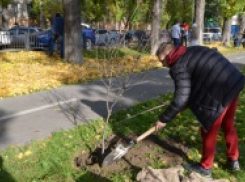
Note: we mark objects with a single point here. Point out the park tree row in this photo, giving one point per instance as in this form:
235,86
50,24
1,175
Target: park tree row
159,13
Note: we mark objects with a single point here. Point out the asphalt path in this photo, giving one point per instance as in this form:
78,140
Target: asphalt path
38,115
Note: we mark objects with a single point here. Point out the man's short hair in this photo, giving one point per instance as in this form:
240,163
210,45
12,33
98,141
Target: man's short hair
164,47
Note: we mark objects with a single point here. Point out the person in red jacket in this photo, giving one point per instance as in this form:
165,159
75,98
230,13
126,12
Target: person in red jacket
184,33
209,85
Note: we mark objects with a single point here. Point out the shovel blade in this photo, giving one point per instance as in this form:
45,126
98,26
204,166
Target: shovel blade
115,155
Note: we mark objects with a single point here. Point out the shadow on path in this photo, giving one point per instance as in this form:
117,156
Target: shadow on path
3,129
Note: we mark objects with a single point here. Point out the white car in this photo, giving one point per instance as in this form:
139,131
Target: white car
4,37
106,37
84,25
212,34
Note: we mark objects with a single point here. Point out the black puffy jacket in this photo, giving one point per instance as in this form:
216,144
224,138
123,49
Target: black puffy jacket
206,82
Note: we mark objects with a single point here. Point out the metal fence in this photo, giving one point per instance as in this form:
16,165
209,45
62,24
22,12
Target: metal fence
30,41
25,41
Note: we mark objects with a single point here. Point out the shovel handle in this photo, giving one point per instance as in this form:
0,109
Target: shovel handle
147,133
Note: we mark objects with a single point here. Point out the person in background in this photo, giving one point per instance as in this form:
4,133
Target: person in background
175,33
238,40
243,38
57,28
184,33
208,84
194,35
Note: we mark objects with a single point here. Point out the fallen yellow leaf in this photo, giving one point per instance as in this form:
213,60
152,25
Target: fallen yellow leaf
21,155
193,137
233,179
216,165
28,153
190,157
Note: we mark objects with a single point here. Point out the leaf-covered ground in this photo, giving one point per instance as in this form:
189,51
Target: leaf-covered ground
26,72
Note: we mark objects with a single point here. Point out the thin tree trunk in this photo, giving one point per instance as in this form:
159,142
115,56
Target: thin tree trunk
42,17
199,14
73,37
117,25
226,32
156,20
242,23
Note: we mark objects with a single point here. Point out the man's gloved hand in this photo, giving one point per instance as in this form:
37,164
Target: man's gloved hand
159,125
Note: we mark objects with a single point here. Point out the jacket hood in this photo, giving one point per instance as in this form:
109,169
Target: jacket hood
175,54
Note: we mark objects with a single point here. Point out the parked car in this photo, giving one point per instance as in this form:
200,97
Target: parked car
212,34
116,31
135,36
164,36
20,35
4,37
89,35
42,39
106,37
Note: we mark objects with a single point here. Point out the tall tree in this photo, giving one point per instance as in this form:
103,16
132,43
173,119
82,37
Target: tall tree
73,31
42,16
128,11
156,25
199,18
242,23
213,10
4,3
4,13
46,8
94,10
229,9
180,10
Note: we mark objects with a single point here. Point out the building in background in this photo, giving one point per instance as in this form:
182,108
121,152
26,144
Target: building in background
235,26
17,12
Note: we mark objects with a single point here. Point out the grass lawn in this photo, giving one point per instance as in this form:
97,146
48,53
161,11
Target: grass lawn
52,159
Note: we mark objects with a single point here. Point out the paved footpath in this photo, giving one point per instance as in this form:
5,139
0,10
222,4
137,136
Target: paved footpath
37,115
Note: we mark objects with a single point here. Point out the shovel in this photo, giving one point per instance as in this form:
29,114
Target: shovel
120,150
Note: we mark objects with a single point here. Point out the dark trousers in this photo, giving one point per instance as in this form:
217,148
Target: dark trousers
61,46
226,122
184,40
176,42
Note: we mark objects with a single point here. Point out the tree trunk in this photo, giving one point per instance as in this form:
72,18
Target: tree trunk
199,19
73,37
42,17
242,23
226,32
117,25
156,20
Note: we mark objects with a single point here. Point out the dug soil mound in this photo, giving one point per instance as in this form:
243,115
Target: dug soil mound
151,150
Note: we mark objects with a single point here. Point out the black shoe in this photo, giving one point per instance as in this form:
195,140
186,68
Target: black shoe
197,168
232,165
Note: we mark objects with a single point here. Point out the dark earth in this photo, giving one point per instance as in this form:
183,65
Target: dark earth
166,152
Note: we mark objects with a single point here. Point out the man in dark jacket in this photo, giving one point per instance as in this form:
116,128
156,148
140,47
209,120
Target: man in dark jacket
57,28
209,85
